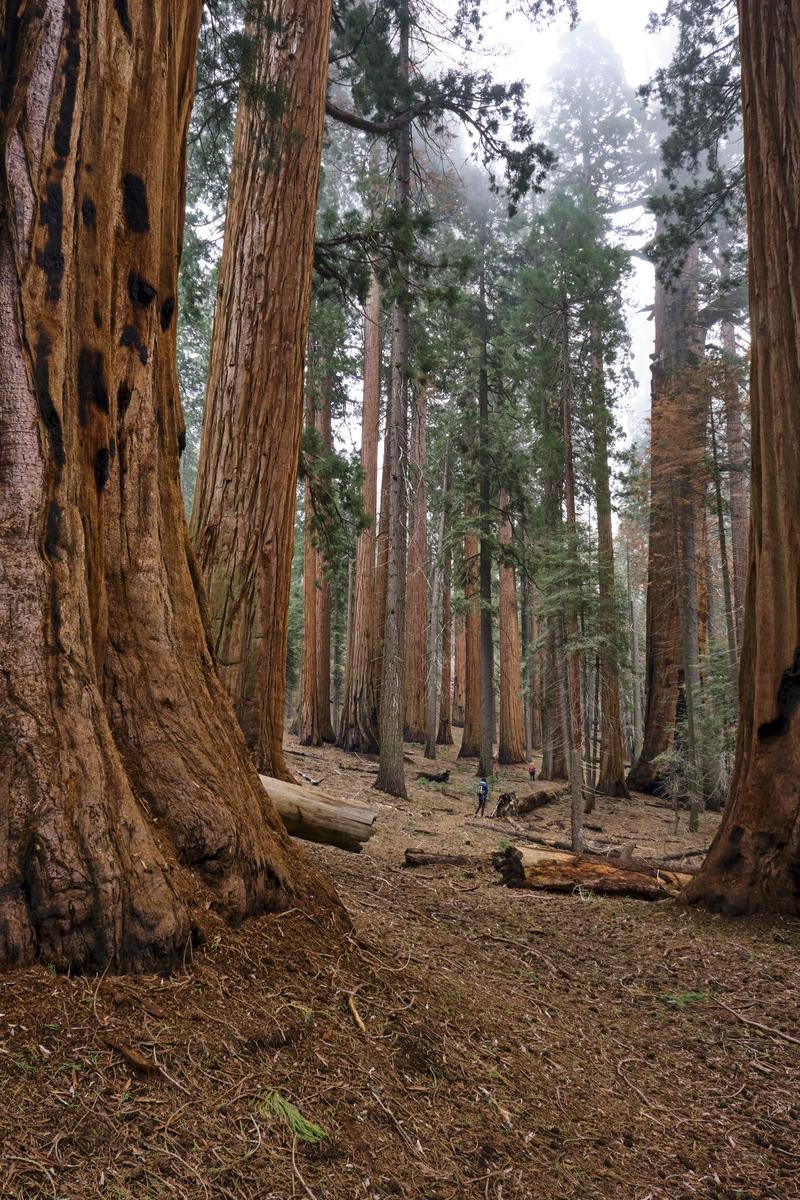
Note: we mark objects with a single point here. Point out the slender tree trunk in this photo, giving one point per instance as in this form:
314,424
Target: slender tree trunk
487,714
324,597
128,802
727,592
444,737
527,715
460,680
734,434
416,650
432,707
754,860
572,653
676,434
382,547
554,739
536,684
391,774
470,741
512,717
611,775
310,731
243,518
358,729
686,565
635,667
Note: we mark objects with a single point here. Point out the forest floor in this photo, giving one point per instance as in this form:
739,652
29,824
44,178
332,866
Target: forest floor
465,1041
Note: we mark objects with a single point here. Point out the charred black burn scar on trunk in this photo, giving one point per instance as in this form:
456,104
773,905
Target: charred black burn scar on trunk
731,859
124,18
181,442
92,391
51,260
141,292
52,533
167,312
124,395
131,341
89,212
49,414
134,199
102,461
788,702
72,61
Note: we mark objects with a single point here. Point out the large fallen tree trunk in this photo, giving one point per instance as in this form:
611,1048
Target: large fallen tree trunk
423,858
316,817
555,871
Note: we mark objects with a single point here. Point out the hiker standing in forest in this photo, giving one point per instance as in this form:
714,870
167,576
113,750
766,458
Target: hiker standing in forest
483,796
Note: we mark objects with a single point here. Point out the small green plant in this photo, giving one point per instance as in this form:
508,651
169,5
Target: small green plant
276,1105
682,999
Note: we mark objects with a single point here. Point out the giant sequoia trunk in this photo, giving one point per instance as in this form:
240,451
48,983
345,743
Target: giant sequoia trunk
243,518
471,738
323,580
754,862
444,736
128,802
611,773
512,717
676,434
416,651
358,728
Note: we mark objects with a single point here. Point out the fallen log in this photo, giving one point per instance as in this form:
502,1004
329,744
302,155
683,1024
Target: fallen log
434,776
539,798
316,817
559,871
422,858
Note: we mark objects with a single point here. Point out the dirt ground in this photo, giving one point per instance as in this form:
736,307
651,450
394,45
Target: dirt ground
465,1041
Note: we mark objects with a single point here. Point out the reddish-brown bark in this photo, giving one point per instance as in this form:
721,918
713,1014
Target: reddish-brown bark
243,518
677,436
512,718
323,590
358,728
310,731
734,432
755,858
416,651
460,671
471,738
128,802
444,736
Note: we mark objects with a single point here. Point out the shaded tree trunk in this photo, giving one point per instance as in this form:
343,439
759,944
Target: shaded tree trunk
391,774
535,683
324,588
128,802
636,704
512,716
310,731
554,741
382,547
674,436
432,699
358,729
460,678
416,650
471,737
734,435
444,736
243,517
753,862
572,707
611,773
486,714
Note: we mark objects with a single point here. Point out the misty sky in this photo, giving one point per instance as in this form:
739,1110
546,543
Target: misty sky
515,50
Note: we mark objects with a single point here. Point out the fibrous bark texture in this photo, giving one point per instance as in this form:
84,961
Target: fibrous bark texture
611,773
754,862
310,729
444,736
243,518
128,802
460,673
358,729
323,581
416,669
676,435
471,739
512,717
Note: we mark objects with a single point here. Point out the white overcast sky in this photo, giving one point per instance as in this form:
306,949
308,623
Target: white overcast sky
514,49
